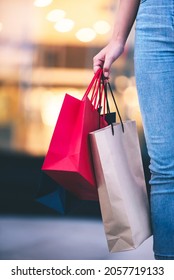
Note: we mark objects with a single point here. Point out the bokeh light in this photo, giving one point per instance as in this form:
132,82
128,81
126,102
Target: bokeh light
86,34
64,25
102,27
42,3
55,15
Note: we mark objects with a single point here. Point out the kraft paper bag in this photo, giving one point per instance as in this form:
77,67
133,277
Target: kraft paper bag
121,186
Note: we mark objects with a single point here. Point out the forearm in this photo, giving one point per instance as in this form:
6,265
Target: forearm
126,14
125,17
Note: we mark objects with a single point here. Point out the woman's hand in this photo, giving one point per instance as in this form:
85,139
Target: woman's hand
107,56
125,17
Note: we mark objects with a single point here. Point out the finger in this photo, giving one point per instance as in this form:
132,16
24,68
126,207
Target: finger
106,71
98,62
96,68
107,67
97,65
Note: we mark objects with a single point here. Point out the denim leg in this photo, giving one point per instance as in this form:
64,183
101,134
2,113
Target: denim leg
154,70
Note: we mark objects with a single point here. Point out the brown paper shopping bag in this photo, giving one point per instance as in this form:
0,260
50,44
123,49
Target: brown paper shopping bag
121,186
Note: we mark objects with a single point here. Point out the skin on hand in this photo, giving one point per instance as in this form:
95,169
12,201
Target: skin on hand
126,14
107,56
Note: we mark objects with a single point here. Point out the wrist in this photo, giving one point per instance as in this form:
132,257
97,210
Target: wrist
119,37
118,41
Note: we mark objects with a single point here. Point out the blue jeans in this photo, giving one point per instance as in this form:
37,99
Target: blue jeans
154,71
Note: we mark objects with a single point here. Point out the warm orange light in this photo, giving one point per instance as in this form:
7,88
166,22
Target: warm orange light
64,25
86,34
55,15
42,3
102,27
50,109
122,82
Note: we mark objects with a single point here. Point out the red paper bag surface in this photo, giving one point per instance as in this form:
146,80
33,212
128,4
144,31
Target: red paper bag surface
68,160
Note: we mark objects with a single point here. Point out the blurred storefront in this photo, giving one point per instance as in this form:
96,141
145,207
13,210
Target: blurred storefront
46,50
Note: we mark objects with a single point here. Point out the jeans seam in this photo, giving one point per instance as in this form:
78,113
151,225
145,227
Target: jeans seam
164,256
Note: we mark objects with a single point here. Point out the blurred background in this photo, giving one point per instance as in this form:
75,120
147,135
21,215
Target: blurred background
46,50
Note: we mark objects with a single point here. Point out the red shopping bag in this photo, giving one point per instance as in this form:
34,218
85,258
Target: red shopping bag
68,160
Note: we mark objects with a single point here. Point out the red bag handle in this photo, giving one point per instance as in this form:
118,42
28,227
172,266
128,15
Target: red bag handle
93,84
99,97
96,88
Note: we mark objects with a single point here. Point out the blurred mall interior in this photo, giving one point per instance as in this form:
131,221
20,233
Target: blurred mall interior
46,50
